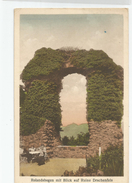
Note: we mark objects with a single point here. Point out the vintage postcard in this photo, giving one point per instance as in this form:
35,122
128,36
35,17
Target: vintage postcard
71,95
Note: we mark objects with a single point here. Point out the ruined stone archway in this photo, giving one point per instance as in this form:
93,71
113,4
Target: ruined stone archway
43,75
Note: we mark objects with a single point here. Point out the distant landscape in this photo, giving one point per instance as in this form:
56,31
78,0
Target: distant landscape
73,130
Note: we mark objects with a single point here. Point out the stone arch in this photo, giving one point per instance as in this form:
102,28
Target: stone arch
42,77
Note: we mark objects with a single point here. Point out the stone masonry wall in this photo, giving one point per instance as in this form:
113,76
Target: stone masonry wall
101,134
46,135
70,152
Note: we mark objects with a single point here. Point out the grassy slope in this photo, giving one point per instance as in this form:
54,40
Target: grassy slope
73,130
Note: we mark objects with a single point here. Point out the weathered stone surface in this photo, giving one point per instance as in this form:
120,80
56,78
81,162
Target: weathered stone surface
46,136
70,152
103,134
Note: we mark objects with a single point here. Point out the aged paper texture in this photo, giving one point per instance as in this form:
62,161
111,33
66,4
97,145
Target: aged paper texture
71,95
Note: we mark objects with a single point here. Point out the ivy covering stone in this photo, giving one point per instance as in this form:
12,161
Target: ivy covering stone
41,103
104,86
104,98
44,62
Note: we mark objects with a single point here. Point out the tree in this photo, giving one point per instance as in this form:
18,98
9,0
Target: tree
65,140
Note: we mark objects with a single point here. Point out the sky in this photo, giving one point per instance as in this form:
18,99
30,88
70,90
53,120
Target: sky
96,31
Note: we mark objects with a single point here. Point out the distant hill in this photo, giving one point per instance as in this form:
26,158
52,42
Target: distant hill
73,129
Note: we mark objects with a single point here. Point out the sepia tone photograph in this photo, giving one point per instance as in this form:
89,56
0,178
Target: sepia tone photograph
71,95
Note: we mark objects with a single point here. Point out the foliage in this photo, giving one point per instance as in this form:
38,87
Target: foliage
81,140
110,162
41,101
30,124
22,95
104,99
89,59
104,88
44,62
65,140
93,164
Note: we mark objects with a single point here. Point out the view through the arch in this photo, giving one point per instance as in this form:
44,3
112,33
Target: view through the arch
73,105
